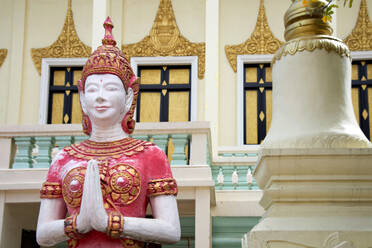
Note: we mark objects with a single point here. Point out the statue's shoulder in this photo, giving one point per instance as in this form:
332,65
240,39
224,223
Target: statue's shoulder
58,161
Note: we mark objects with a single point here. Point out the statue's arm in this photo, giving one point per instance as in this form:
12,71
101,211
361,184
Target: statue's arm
50,226
164,228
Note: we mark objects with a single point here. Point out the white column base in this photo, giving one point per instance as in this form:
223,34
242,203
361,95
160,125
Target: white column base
314,199
203,230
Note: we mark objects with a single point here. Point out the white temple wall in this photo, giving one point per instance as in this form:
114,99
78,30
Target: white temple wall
237,22
5,42
43,24
43,20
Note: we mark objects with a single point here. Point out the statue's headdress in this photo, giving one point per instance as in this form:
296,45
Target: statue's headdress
110,59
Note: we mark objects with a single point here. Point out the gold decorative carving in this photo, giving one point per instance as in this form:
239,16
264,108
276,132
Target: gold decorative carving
3,54
360,38
312,43
165,39
262,40
68,44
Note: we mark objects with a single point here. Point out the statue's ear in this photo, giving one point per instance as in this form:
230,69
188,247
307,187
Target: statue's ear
82,102
82,96
129,99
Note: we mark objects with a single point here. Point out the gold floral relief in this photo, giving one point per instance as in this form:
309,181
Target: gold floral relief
262,40
360,38
68,44
311,43
165,39
3,54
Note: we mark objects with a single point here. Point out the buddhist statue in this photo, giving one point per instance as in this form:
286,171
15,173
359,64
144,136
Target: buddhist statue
105,183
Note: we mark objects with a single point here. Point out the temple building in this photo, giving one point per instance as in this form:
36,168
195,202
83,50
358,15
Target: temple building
206,99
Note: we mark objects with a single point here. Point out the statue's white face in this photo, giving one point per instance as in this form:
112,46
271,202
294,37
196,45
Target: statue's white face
105,99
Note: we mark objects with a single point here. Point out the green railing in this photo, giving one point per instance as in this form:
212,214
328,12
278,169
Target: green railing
38,151
233,168
186,144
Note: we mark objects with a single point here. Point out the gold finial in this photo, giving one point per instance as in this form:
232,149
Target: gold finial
262,40
301,21
165,39
68,44
3,53
361,36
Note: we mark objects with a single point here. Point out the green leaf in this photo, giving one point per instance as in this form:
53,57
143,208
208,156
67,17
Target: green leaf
350,3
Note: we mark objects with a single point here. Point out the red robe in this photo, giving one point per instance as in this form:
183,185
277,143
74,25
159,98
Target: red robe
131,171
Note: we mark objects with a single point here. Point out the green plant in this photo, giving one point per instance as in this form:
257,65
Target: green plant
328,8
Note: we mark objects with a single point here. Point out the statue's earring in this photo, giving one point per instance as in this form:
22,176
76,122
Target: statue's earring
87,124
128,123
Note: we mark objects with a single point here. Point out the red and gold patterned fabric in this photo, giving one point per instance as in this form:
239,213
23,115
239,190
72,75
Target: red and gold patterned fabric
51,190
131,171
165,186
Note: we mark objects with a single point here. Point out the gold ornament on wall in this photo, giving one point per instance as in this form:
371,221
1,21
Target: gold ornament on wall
68,44
262,40
360,38
165,39
3,53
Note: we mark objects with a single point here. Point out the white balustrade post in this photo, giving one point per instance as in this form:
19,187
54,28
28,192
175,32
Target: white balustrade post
198,149
2,209
203,230
5,152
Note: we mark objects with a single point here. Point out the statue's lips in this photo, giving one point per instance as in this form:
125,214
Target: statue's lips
102,108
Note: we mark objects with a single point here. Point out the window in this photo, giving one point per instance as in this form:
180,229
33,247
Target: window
63,103
362,94
165,93
256,97
257,100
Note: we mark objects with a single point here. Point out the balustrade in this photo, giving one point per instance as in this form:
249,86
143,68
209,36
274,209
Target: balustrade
35,146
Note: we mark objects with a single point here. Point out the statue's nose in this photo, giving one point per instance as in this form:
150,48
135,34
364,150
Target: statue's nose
100,97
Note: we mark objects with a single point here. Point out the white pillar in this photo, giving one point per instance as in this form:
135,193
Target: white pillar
211,68
315,160
101,9
16,63
198,149
203,230
5,151
2,209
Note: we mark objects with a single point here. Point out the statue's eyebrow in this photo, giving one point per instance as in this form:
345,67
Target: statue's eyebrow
91,82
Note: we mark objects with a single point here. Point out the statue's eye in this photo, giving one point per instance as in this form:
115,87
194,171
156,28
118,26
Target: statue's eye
111,87
91,89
